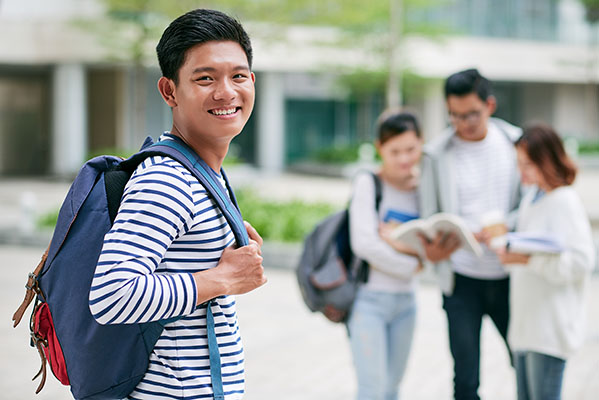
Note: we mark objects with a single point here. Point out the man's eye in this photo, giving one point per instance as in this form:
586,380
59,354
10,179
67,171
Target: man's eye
204,78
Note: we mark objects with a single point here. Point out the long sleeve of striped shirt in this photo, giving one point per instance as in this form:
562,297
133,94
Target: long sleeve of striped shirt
157,207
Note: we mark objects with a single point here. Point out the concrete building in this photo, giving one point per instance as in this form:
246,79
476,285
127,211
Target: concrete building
63,96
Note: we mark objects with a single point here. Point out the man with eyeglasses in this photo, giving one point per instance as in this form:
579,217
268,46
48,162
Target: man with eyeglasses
470,171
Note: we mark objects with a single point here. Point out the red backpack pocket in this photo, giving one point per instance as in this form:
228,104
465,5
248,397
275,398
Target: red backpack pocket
43,331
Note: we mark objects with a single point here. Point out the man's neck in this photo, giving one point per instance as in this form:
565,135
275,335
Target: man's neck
213,154
479,138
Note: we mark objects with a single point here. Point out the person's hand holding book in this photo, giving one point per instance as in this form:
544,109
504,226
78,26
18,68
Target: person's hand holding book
507,257
440,247
385,232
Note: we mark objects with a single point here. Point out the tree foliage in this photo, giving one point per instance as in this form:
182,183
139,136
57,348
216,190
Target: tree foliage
135,24
592,10
352,17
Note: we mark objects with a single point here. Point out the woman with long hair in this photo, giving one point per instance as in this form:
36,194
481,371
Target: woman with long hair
547,290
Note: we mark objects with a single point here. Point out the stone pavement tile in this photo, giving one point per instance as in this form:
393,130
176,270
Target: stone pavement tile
318,353
19,362
293,354
308,358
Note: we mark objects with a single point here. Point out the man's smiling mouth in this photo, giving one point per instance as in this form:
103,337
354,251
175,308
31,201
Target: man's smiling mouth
224,111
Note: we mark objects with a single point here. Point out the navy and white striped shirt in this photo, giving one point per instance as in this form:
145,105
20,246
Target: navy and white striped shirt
166,229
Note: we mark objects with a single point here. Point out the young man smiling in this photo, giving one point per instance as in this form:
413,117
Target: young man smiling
470,171
170,249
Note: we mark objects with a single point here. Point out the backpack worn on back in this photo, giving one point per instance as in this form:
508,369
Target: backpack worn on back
329,272
104,361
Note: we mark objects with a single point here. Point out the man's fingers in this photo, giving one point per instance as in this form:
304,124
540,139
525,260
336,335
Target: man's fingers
253,233
255,244
424,239
444,237
453,242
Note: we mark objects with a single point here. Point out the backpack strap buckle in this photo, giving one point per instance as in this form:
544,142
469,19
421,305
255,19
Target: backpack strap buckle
39,343
32,289
31,282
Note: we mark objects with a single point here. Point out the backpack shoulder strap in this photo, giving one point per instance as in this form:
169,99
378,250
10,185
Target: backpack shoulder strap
378,190
179,151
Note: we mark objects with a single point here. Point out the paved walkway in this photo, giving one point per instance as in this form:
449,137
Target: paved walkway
293,354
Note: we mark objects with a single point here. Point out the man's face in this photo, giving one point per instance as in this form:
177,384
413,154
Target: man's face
469,115
215,93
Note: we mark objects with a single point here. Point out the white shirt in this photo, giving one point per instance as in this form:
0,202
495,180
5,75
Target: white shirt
547,296
484,172
390,270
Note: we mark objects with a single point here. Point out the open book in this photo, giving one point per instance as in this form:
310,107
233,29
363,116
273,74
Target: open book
528,243
442,222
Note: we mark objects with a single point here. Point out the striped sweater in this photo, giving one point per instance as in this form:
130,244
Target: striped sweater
166,229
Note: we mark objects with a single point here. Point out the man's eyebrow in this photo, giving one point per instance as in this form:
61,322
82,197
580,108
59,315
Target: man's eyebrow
212,69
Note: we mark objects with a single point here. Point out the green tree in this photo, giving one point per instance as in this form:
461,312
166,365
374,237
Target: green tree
592,17
378,25
592,10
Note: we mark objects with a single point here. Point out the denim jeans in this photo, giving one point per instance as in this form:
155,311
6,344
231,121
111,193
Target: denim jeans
381,328
465,308
538,376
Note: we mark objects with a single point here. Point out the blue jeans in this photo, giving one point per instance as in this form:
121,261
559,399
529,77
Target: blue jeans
381,328
538,376
465,308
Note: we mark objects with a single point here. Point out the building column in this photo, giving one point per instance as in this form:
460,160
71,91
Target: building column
69,116
271,122
434,112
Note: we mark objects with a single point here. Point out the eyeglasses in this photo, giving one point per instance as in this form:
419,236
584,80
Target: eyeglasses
471,118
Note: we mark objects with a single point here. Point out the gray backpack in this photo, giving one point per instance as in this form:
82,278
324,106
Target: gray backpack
329,272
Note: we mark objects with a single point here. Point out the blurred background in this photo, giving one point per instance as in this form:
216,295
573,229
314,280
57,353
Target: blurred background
78,78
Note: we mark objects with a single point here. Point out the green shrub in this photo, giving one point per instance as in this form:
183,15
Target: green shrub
342,154
230,159
588,147
338,154
48,220
284,221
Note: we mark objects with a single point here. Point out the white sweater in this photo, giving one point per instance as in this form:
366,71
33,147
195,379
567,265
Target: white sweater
547,296
391,271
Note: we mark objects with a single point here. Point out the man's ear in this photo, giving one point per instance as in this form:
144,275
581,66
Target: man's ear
167,89
253,77
491,104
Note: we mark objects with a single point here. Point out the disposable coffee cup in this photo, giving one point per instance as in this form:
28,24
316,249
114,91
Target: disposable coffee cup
493,224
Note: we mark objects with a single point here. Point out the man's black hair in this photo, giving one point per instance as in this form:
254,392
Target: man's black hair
193,28
468,81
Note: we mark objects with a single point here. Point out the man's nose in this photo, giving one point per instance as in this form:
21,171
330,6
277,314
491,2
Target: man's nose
224,90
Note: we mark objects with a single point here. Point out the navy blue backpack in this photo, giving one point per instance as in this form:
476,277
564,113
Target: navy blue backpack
104,361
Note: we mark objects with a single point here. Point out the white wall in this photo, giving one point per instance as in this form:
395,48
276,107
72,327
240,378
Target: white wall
69,116
48,9
576,110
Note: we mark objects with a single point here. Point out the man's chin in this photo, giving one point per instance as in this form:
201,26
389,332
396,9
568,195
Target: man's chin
472,136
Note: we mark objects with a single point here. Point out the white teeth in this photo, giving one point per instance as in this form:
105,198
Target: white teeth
224,112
